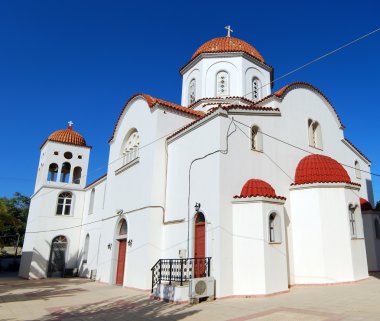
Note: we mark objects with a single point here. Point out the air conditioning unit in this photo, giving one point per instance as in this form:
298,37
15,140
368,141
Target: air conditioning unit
202,288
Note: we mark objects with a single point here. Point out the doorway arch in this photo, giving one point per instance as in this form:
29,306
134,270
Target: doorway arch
57,259
121,238
199,245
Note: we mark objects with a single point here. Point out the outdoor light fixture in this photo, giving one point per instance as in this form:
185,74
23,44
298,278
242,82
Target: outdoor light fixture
109,246
197,207
119,211
130,242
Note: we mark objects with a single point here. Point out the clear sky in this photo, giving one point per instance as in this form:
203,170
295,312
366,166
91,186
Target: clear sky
81,60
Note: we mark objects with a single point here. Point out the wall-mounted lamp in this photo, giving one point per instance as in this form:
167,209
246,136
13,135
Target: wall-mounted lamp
130,242
197,207
119,211
109,246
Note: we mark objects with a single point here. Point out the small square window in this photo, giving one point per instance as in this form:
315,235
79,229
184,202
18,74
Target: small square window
80,156
55,153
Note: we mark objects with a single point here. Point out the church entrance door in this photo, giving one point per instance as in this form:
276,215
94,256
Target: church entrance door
199,245
121,261
57,257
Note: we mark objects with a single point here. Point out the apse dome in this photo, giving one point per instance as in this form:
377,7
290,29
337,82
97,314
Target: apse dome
257,187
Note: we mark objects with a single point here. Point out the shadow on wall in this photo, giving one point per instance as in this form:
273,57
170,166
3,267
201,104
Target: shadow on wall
33,265
137,307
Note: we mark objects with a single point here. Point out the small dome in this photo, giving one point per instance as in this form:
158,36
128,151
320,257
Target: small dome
320,169
365,205
228,44
257,187
68,136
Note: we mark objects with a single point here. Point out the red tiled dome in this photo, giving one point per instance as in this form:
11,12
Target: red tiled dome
257,187
228,44
320,169
67,136
365,205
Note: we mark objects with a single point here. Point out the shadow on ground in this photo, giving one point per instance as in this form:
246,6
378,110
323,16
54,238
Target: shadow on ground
136,308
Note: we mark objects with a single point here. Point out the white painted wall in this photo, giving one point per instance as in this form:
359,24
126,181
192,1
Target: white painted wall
371,242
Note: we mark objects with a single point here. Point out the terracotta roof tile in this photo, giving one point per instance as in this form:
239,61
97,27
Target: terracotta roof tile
67,136
365,205
258,187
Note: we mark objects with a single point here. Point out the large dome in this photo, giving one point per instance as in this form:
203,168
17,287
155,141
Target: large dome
67,136
320,169
228,44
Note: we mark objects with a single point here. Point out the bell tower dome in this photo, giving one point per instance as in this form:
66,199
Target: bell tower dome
64,160
222,70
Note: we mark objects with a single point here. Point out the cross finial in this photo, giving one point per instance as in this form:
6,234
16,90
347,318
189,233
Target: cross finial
229,30
70,124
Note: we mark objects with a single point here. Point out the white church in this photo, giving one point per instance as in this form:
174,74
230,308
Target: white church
238,191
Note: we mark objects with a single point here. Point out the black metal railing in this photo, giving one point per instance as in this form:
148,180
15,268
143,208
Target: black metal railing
180,270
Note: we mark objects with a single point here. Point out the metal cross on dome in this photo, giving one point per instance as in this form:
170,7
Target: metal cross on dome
229,30
70,123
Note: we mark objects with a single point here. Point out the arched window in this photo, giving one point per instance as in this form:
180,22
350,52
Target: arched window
77,175
256,89
65,172
53,172
352,218
315,134
357,170
86,248
130,150
377,229
274,225
64,203
222,84
256,138
192,91
92,200
123,230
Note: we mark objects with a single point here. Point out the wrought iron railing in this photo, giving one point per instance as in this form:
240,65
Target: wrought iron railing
180,270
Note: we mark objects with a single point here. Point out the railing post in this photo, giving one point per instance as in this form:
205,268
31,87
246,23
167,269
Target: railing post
208,266
181,272
159,277
170,272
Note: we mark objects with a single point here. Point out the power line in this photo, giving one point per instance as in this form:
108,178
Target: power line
319,58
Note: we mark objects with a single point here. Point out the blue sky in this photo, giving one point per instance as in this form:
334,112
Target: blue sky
81,60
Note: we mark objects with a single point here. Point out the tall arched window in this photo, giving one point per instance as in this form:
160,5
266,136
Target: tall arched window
352,218
86,248
222,84
192,91
53,172
130,148
357,170
256,89
77,175
64,203
256,138
377,229
65,172
92,200
274,224
315,134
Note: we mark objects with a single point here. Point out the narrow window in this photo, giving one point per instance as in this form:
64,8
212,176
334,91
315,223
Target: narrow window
130,148
53,172
274,225
315,134
65,172
351,210
64,203
377,229
123,228
222,84
92,200
256,138
192,91
256,89
86,248
77,175
357,170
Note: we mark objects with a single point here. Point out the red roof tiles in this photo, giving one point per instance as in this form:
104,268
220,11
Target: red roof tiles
228,44
365,205
67,136
320,169
258,187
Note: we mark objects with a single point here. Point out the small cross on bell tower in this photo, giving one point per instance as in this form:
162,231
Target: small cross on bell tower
229,30
70,124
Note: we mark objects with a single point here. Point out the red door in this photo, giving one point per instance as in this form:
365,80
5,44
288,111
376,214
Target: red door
199,247
121,262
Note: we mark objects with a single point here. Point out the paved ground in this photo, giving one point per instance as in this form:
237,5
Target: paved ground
78,299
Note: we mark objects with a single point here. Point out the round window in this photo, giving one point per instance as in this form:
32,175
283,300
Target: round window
68,155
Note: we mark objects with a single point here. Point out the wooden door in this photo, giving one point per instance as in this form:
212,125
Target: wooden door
121,262
199,248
